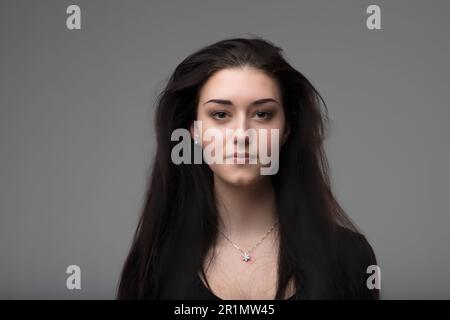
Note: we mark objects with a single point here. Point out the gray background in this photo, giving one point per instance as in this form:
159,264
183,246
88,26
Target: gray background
76,135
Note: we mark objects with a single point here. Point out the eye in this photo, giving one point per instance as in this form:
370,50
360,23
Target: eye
219,115
263,115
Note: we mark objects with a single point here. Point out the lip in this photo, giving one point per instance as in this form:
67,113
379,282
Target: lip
245,156
241,155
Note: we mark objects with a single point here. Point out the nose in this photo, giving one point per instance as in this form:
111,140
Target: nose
240,136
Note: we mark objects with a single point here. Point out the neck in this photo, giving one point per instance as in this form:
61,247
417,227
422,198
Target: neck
245,212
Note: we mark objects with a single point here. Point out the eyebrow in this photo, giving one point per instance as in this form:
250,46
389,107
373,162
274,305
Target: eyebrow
229,103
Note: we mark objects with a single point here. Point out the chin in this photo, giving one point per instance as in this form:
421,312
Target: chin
246,177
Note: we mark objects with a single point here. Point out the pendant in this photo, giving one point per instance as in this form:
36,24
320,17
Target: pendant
246,256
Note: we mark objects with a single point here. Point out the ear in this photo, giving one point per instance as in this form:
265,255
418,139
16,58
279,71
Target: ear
194,136
191,130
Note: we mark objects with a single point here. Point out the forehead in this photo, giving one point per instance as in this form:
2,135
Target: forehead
240,84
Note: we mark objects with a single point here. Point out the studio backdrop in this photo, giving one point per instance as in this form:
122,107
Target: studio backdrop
78,86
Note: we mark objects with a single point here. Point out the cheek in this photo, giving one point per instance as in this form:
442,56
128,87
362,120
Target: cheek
269,139
207,124
213,141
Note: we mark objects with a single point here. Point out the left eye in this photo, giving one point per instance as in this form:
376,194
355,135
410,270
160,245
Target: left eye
263,114
219,115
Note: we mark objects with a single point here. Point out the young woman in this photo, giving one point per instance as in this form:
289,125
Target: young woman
224,230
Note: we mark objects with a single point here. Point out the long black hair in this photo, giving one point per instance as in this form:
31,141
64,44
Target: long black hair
177,225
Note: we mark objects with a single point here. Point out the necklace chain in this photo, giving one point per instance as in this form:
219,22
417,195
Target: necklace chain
246,254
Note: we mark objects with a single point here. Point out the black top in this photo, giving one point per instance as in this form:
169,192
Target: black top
355,255
199,291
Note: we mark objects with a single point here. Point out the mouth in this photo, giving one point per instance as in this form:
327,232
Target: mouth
242,156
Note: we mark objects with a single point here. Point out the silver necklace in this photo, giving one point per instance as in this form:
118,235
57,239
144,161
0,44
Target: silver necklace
246,254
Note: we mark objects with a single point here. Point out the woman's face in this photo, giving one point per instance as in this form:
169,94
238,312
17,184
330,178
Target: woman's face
240,98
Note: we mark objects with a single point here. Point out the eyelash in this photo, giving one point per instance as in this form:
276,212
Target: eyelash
267,113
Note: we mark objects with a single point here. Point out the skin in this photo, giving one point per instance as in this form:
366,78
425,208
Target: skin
245,198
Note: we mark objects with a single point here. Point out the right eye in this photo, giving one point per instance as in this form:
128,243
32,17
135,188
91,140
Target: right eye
219,115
